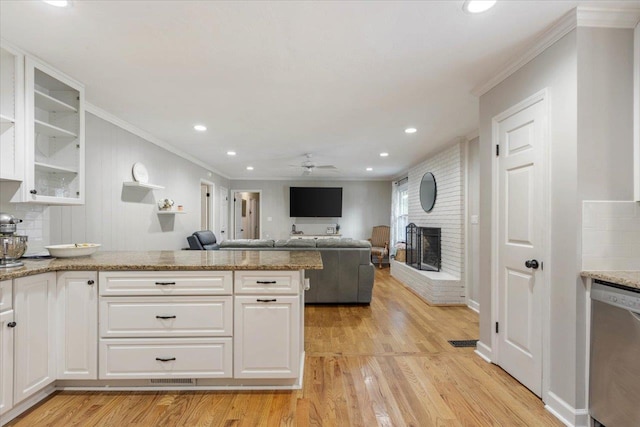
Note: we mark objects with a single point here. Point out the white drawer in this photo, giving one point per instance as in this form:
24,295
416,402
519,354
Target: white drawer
6,295
267,282
162,358
133,283
166,317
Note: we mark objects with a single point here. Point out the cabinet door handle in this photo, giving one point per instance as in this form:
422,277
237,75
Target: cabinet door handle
165,317
168,359
90,282
266,282
165,283
11,324
266,300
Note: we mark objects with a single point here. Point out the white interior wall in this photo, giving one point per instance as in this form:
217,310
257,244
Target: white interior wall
447,213
365,204
124,218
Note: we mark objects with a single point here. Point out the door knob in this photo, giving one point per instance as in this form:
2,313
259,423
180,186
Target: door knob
12,324
532,263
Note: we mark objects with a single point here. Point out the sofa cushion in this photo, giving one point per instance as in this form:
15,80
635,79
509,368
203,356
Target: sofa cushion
295,243
247,243
342,243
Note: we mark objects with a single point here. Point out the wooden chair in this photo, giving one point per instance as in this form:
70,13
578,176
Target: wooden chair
380,243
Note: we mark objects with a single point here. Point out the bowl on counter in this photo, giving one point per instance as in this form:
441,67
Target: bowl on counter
73,250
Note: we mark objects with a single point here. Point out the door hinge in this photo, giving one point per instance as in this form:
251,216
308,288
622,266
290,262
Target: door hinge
497,327
498,150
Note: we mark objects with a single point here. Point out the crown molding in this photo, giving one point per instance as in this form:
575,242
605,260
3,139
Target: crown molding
607,18
104,115
578,17
552,34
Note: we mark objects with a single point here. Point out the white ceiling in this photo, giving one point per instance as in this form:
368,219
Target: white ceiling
275,80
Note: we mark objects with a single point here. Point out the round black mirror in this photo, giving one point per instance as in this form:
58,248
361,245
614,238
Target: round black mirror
428,191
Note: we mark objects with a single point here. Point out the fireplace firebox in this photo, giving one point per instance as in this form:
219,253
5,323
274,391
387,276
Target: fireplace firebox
423,248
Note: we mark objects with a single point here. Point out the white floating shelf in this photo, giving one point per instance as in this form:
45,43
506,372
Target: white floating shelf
50,130
143,185
52,104
171,212
6,120
53,168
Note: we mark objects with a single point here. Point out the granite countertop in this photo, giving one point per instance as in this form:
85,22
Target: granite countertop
172,260
630,279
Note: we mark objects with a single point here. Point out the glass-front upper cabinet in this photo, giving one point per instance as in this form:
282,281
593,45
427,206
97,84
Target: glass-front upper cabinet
11,114
55,136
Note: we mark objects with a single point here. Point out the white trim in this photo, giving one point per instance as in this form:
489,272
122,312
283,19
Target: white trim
555,32
465,215
541,96
212,203
104,115
473,305
607,18
636,113
472,135
484,351
233,192
565,412
579,17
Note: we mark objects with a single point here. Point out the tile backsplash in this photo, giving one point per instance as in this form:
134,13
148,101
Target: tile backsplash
610,235
35,221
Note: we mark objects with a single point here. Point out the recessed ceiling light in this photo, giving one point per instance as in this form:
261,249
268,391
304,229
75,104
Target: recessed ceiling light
58,3
231,153
200,128
384,154
410,130
249,168
369,169
478,6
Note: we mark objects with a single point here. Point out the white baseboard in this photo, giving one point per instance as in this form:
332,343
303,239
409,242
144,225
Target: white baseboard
484,351
473,305
26,404
566,413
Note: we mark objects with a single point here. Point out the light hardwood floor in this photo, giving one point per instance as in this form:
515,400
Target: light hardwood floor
386,364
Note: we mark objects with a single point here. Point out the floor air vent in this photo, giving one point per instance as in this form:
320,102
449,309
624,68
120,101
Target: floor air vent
172,381
463,343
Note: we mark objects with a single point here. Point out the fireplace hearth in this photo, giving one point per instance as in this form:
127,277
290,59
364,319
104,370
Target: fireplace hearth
423,248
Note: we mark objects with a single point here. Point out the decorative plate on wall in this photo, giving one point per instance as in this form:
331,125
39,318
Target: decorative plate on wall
140,173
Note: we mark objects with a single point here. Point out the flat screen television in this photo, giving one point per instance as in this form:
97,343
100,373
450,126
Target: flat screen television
325,202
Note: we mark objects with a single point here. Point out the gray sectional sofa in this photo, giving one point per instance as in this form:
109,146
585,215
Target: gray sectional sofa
347,276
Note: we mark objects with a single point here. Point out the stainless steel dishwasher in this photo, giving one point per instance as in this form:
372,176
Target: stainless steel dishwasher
614,375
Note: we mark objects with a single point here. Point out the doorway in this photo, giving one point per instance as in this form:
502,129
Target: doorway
520,223
247,222
223,213
207,205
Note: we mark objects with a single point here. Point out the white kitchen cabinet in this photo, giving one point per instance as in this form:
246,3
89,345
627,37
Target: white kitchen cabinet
266,336
77,325
54,106
12,143
7,326
34,311
267,282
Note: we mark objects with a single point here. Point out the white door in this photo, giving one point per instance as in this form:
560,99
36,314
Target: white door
34,312
266,336
253,218
238,223
224,214
520,226
77,328
6,360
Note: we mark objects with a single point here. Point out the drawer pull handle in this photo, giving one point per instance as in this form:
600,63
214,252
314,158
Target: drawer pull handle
266,282
169,359
165,317
12,324
165,283
266,300
90,282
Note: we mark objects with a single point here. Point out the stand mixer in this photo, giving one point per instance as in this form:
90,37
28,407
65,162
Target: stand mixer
12,246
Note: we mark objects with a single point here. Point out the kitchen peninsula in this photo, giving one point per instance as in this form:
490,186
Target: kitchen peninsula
206,320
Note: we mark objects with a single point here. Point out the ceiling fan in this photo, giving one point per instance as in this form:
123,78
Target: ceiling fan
308,166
